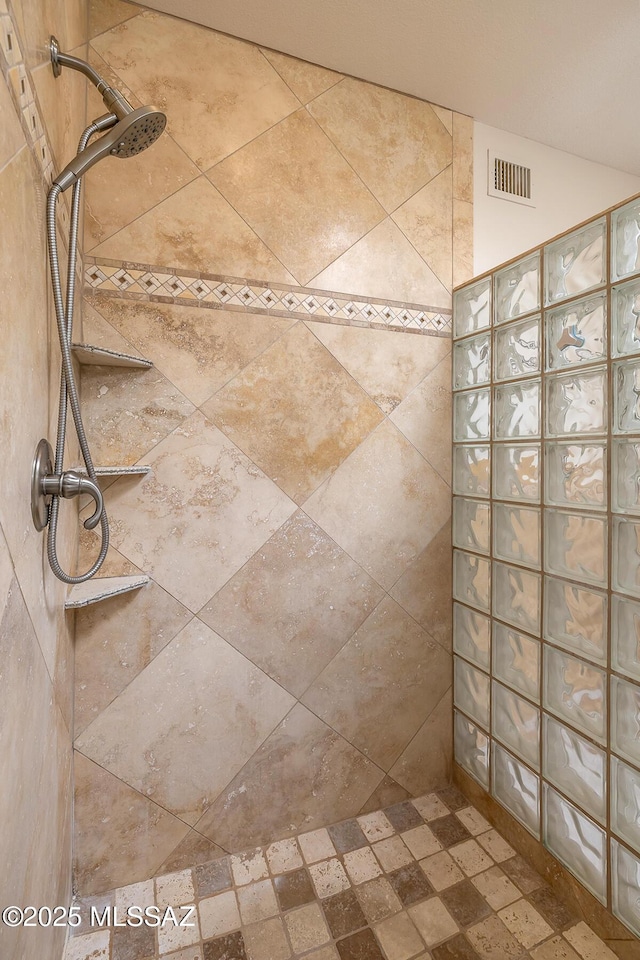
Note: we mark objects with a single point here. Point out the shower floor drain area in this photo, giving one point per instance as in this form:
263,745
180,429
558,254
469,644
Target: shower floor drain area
426,878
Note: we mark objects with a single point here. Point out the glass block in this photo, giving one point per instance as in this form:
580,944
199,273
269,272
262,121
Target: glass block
576,766
625,240
471,415
517,410
575,263
471,524
625,886
516,534
517,471
625,802
472,362
575,474
625,719
516,723
517,350
577,332
625,319
576,841
626,556
516,597
575,546
472,308
517,789
576,692
471,747
576,618
472,635
471,691
516,660
576,404
626,396
625,636
625,495
471,470
517,289
471,579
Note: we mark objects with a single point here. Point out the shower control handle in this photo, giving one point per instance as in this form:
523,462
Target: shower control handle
71,484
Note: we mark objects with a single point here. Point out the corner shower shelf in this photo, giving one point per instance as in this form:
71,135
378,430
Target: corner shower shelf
101,588
87,354
140,470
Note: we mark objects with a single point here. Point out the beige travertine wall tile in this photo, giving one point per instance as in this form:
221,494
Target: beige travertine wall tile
319,417
62,101
233,93
294,604
36,20
199,516
120,835
99,332
426,761
115,200
177,233
198,350
207,710
104,14
386,793
426,221
424,417
109,654
395,143
383,533
445,116
462,241
299,194
385,365
377,693
424,590
321,778
384,264
12,136
307,80
462,157
127,412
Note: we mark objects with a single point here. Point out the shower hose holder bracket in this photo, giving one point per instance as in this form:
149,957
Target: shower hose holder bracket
45,484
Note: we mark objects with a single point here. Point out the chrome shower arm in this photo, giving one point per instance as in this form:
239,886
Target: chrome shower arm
114,101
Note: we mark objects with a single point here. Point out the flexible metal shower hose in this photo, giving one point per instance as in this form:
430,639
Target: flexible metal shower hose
68,388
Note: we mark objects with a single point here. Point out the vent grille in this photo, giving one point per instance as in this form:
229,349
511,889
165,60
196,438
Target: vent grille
509,180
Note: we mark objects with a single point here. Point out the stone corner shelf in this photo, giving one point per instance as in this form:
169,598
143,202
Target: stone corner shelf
140,470
101,588
87,354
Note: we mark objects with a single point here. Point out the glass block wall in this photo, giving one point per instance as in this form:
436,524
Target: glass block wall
546,539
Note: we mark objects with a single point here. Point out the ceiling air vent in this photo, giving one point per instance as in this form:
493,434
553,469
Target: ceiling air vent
509,180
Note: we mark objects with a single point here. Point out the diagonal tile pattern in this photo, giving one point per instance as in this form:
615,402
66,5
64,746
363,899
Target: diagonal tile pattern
219,92
199,516
322,903
185,693
294,604
296,412
299,194
395,143
283,503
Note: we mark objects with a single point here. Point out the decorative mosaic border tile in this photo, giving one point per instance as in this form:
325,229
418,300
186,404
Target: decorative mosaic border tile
21,88
139,281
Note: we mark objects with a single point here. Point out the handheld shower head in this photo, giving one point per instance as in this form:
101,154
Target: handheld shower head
134,132
127,138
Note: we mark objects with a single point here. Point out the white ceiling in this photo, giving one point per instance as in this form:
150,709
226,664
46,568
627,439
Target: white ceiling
556,71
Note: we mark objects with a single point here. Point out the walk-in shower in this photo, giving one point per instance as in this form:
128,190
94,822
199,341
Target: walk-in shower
126,132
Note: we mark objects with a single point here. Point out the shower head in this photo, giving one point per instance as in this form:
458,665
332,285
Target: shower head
134,132
130,136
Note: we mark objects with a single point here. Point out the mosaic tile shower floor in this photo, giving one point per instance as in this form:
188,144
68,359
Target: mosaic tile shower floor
427,878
